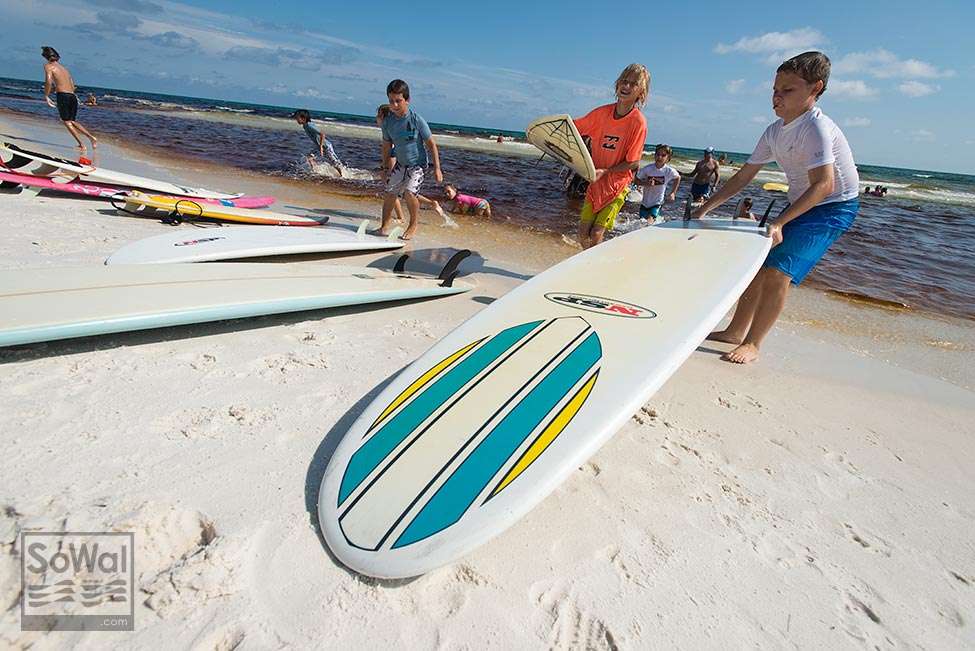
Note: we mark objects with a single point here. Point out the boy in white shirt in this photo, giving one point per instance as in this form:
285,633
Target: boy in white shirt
823,190
654,179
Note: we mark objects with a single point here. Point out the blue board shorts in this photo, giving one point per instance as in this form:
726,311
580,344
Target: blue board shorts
807,237
700,190
650,211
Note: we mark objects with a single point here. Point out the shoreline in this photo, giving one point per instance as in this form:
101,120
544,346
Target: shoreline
819,494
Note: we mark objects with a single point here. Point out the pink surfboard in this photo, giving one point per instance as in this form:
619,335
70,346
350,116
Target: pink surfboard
93,189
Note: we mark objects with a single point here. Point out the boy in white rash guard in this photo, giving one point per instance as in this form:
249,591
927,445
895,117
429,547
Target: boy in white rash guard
654,179
823,190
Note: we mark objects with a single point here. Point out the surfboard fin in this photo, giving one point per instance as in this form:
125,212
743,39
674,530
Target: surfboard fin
767,212
362,227
687,209
396,232
449,271
400,265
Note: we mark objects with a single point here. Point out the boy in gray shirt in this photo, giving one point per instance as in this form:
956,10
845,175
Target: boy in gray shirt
410,135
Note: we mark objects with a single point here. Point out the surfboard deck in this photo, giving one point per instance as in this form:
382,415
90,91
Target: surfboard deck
191,209
62,303
471,436
106,191
238,242
557,136
18,159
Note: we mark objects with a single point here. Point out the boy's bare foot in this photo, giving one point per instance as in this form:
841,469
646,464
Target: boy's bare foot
725,336
408,235
380,232
743,354
94,142
436,207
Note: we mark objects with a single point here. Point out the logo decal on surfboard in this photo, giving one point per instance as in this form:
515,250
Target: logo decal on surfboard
465,429
202,240
601,305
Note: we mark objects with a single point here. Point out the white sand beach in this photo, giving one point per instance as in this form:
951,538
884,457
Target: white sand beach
819,498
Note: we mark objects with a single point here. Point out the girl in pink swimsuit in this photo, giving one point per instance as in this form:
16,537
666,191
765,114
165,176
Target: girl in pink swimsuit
466,204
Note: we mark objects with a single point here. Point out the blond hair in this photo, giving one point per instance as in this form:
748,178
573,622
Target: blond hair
641,71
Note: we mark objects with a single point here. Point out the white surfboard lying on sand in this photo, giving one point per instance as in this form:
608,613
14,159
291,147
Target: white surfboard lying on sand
32,162
557,136
237,242
489,421
63,303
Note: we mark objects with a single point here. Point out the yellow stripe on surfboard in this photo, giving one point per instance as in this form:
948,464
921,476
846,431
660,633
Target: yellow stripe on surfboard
549,434
776,187
421,381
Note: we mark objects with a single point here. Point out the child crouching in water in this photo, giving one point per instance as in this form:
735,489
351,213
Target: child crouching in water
465,204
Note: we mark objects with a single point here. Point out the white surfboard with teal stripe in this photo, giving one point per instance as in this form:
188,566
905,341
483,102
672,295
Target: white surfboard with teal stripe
491,419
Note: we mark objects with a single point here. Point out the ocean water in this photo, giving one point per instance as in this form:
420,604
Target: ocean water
912,248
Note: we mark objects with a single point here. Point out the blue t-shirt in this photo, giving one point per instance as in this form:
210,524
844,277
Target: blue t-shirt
407,134
312,132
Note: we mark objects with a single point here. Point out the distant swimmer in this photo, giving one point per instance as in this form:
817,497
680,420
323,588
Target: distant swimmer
57,79
654,179
465,204
323,147
824,189
706,176
617,132
91,100
876,192
744,210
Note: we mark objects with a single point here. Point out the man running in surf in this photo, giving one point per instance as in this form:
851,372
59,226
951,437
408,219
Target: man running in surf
705,176
58,79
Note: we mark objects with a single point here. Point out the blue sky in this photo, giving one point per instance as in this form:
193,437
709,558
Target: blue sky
900,88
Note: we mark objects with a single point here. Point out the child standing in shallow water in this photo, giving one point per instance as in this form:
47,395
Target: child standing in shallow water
823,190
654,179
618,132
323,147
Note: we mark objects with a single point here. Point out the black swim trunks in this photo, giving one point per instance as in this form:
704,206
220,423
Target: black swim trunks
67,106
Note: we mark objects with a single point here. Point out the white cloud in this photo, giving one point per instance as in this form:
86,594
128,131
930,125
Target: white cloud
850,89
760,119
922,134
884,64
734,86
801,39
917,89
856,122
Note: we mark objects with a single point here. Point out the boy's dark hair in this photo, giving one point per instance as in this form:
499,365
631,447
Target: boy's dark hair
398,87
812,66
50,53
303,114
665,149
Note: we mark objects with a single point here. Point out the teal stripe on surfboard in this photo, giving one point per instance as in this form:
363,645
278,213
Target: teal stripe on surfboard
385,440
457,494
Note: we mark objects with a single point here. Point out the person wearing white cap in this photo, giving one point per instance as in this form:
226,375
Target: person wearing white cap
705,176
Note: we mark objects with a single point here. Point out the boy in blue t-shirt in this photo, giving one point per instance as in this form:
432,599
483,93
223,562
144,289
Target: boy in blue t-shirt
323,147
410,135
824,187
